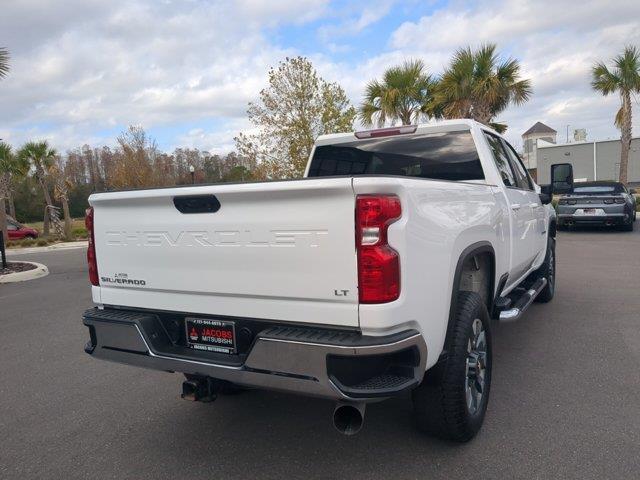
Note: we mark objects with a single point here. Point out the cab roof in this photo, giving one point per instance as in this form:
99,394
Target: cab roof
434,127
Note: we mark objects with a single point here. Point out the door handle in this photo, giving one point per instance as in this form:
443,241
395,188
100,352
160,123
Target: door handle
515,206
534,205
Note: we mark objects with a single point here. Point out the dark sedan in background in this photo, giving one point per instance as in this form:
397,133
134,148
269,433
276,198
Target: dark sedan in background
598,203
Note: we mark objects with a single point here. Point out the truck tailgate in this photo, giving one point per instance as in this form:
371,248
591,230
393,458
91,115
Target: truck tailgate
278,250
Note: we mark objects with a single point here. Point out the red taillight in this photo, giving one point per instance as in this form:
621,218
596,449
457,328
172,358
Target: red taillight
378,263
91,251
386,132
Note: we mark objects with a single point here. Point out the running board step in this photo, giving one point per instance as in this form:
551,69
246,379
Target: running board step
522,303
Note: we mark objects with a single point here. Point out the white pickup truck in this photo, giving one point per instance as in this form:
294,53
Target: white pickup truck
376,274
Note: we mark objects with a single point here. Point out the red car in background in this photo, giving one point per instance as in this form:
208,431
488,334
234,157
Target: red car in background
18,231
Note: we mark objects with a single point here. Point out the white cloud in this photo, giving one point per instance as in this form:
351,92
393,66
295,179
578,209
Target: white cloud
556,42
360,15
219,141
143,62
82,67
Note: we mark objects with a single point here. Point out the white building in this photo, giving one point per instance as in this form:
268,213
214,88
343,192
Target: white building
538,132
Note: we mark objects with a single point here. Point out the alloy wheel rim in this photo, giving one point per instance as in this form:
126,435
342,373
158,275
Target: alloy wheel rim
476,366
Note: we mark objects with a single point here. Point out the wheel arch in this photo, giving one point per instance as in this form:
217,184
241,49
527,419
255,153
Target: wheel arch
483,248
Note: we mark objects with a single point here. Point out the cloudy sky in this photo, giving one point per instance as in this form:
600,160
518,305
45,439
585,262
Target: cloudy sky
82,70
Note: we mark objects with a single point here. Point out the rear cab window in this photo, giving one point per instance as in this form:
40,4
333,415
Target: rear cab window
439,156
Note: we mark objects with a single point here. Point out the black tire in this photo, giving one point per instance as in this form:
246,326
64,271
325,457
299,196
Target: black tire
441,405
548,271
629,227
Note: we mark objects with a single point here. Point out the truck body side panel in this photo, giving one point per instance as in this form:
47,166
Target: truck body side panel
439,220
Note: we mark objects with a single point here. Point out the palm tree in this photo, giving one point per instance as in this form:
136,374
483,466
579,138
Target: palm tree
4,62
61,187
405,93
10,165
624,79
479,85
40,157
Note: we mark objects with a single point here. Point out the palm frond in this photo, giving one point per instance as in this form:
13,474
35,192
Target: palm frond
4,62
604,80
402,94
10,162
39,154
619,119
499,127
476,84
628,69
368,114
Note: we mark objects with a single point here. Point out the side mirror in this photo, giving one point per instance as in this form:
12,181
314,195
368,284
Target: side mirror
545,194
545,198
562,178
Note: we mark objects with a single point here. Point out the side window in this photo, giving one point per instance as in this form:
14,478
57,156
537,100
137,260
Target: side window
501,159
11,226
522,178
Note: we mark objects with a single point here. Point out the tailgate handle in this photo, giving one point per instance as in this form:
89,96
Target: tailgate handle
197,204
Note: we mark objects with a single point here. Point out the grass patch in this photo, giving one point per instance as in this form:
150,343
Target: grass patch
77,223
78,230
31,242
79,233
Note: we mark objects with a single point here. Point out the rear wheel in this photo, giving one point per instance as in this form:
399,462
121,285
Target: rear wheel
548,271
629,227
452,399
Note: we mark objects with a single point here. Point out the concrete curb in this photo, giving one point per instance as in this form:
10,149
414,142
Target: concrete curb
40,271
48,248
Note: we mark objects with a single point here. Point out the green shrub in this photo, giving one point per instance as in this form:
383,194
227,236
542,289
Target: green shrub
42,242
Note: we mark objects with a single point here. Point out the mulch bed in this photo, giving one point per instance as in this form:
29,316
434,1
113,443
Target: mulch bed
13,267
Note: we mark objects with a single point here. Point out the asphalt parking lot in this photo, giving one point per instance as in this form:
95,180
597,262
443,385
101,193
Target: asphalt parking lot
564,400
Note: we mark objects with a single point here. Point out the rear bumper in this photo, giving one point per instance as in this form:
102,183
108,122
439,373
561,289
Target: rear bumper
606,219
309,361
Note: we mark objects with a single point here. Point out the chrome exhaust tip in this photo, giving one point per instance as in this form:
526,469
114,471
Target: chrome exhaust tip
348,418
